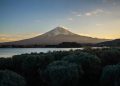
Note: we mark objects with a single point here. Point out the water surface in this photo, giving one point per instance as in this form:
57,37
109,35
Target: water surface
9,52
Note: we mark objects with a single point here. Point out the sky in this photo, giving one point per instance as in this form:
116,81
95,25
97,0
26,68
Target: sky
21,19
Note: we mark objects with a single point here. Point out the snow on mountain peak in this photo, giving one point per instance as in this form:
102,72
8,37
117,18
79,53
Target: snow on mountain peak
59,31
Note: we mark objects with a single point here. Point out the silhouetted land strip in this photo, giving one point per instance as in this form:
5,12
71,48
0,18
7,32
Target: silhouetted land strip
61,45
88,67
113,43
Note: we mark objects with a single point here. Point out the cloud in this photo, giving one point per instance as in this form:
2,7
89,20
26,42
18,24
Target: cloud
76,13
96,12
111,2
79,15
91,13
88,14
70,19
7,39
99,24
15,37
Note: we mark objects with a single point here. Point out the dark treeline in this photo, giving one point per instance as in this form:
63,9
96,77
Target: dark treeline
113,43
66,45
61,45
88,67
22,46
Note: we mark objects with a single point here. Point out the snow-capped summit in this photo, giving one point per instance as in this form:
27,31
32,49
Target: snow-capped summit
59,31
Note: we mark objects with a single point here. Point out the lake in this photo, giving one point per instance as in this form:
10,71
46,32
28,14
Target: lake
9,52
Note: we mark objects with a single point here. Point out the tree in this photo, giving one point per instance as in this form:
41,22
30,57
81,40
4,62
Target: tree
91,65
88,61
59,54
62,73
30,67
9,78
69,44
110,56
6,63
111,76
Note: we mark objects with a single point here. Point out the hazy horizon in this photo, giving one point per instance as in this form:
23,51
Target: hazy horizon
22,19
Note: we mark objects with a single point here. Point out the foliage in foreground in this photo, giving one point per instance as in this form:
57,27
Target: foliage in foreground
62,73
89,67
9,78
111,76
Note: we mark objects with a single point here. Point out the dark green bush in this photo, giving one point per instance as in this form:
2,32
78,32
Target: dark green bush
109,56
60,54
89,62
62,73
6,63
9,78
27,65
111,76
91,65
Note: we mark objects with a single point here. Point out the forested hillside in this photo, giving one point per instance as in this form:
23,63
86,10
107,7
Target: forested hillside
115,43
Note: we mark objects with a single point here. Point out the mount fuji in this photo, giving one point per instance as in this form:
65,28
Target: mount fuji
56,36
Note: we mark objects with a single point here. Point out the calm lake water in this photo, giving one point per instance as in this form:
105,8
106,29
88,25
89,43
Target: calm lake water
9,52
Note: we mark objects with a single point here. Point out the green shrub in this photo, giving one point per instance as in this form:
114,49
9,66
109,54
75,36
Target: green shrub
91,66
60,54
62,73
27,65
111,76
110,56
89,62
9,78
6,63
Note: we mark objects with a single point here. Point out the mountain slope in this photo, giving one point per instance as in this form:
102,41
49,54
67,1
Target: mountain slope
56,36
